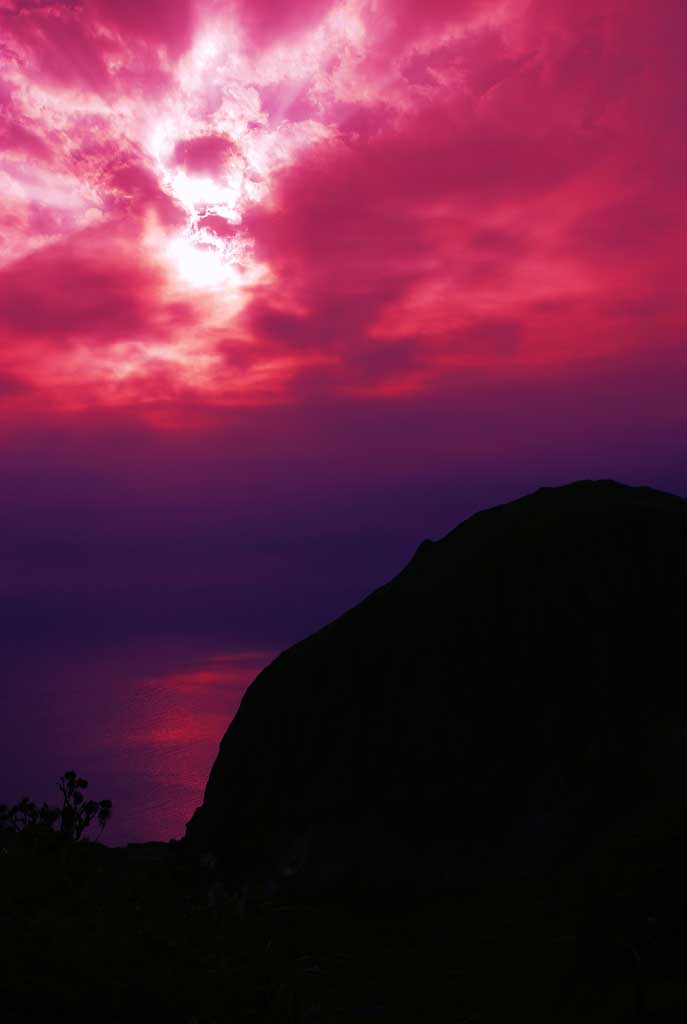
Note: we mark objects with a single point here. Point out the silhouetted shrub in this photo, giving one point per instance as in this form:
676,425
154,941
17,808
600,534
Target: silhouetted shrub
71,819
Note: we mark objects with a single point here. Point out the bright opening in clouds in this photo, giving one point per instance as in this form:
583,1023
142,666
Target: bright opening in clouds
222,199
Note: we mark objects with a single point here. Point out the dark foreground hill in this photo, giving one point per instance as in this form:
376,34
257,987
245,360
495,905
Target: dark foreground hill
515,696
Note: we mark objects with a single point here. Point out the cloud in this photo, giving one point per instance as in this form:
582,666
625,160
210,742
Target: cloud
335,196
17,138
11,386
58,41
155,22
130,186
87,288
266,22
204,154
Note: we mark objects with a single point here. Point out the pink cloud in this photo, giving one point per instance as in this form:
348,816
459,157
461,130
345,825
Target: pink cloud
204,154
217,225
134,188
359,201
84,289
402,22
17,138
266,22
155,22
59,41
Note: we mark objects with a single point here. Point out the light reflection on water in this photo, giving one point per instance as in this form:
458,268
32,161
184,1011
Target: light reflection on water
142,723
169,732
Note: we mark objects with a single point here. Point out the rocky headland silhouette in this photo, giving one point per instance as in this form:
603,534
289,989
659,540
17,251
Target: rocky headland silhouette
511,698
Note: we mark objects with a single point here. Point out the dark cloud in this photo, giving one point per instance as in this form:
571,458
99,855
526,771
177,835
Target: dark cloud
205,154
83,289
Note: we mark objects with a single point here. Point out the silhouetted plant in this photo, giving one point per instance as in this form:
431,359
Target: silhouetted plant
71,820
77,813
22,815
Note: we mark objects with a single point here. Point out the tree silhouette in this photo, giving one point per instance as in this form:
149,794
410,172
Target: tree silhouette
77,813
71,819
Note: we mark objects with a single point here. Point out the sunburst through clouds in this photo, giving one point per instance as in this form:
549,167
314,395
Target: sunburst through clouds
237,203
133,199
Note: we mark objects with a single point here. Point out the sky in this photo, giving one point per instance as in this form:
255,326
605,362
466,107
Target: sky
286,288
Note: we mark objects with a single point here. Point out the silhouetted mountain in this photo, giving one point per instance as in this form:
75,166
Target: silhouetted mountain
510,700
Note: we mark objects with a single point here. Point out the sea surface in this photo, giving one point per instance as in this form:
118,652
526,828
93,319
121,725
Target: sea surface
141,721
128,635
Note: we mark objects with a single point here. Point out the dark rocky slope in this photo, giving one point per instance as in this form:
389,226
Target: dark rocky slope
514,695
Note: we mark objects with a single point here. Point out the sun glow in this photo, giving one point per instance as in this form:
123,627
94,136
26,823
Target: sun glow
215,152
202,264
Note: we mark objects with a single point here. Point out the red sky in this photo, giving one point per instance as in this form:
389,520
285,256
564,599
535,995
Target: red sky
212,205
286,287
304,273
